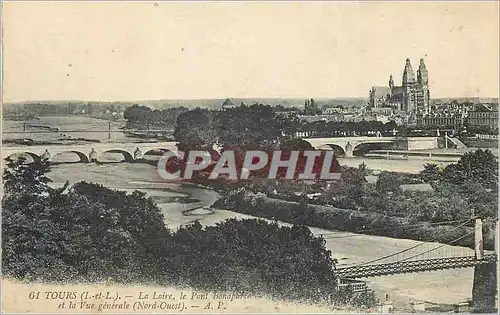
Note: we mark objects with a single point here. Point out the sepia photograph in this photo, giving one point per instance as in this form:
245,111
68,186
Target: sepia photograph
250,157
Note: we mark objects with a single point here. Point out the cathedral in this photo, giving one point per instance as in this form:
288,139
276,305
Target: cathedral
412,96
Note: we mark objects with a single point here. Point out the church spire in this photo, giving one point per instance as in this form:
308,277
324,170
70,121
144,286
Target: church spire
422,64
408,74
391,82
422,75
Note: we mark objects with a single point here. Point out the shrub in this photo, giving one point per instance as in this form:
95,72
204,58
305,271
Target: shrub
94,233
252,256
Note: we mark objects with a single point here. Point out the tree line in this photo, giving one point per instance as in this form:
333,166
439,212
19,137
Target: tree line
250,126
143,117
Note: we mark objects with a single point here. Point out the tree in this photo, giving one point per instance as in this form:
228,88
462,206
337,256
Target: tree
27,178
289,124
388,182
431,172
363,169
296,144
254,256
195,129
353,181
480,166
87,232
301,213
137,114
248,127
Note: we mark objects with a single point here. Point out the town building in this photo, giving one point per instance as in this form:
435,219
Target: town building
325,117
333,110
412,96
386,111
228,103
455,120
311,107
484,115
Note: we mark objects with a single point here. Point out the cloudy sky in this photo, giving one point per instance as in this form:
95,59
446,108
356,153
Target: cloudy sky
147,50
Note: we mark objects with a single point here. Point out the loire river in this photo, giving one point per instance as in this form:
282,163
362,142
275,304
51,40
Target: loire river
181,205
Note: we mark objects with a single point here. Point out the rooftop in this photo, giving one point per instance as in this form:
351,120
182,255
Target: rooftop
228,102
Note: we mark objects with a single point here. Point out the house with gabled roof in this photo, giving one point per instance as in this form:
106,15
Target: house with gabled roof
228,103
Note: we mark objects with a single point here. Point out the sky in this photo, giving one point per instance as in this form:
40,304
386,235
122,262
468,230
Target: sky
110,51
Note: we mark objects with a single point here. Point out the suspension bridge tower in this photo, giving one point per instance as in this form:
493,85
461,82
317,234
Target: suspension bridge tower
484,288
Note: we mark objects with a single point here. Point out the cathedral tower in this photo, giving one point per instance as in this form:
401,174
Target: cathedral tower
412,96
423,82
408,74
422,75
409,95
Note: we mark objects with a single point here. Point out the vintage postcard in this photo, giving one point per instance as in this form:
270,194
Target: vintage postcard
249,157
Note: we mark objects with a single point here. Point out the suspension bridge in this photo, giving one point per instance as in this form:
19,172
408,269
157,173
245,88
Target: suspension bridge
425,256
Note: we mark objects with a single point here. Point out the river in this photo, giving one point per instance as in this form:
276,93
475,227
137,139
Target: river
181,204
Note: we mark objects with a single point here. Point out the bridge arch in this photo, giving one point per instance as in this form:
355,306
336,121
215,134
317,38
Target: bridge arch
127,156
83,157
337,149
31,155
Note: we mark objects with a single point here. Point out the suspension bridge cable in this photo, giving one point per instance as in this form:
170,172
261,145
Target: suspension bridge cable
410,248
430,250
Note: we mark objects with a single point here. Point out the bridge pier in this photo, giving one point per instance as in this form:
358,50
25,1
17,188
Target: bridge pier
46,156
138,154
92,156
349,150
478,239
484,287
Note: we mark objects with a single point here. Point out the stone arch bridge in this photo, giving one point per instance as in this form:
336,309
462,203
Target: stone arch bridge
88,152
132,151
347,145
